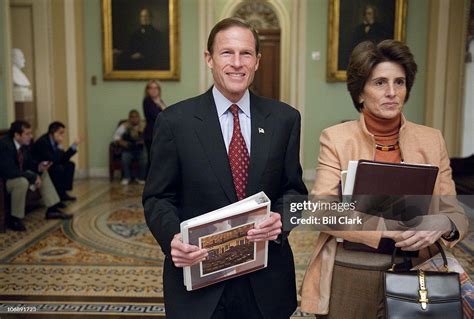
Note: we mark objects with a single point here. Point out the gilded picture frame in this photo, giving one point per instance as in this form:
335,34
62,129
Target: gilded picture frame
141,39
353,21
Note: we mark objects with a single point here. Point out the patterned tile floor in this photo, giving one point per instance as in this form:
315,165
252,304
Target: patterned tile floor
104,261
55,268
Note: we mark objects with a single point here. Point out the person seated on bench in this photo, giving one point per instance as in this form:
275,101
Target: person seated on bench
129,136
48,148
21,172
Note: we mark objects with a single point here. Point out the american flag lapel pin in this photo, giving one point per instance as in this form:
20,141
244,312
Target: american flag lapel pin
261,130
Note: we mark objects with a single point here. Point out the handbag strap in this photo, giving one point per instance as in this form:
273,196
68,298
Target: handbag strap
405,257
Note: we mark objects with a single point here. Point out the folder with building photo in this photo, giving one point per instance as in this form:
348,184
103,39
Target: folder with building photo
223,233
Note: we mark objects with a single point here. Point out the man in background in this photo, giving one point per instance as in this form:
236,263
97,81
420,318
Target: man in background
148,48
22,172
129,136
49,148
370,29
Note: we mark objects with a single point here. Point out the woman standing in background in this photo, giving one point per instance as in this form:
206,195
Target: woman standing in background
152,106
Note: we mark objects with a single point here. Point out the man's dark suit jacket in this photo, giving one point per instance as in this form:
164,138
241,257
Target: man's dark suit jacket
190,175
9,166
43,151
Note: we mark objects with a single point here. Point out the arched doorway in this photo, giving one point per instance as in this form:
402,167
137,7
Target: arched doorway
264,19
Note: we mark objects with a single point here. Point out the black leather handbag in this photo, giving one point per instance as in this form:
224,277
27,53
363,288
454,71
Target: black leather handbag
422,294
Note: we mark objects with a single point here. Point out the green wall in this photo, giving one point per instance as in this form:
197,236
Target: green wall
109,101
330,103
3,70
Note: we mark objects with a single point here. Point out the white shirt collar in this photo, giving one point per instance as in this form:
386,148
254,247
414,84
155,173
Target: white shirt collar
17,145
223,104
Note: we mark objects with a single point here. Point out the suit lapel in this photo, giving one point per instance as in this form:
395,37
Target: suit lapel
209,132
261,135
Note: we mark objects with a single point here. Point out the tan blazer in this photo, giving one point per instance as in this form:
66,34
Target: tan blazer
352,141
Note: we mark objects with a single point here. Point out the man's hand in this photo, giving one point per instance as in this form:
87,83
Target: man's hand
44,166
269,229
123,144
184,255
78,140
38,182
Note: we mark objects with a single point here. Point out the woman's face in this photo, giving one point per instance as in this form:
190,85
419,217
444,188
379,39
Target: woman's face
153,90
385,90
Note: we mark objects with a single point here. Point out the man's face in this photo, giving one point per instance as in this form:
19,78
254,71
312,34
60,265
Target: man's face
233,61
369,15
145,17
25,137
134,118
58,136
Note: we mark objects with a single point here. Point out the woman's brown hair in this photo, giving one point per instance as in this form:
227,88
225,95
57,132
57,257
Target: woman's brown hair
366,55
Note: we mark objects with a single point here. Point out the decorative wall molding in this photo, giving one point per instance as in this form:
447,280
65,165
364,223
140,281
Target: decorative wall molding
259,14
8,62
206,22
98,172
71,72
445,65
298,57
42,44
82,173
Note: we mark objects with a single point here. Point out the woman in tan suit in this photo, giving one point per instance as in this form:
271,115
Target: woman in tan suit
342,283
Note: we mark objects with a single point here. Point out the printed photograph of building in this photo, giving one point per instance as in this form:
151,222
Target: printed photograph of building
227,249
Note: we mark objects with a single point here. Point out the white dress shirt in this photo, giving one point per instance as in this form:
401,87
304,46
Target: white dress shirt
226,119
17,145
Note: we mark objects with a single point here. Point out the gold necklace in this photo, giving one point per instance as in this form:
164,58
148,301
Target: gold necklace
387,148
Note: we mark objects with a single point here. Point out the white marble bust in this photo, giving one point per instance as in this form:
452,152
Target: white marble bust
18,60
21,84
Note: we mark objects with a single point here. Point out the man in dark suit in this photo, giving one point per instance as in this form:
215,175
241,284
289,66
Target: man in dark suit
48,148
210,151
369,30
148,50
22,172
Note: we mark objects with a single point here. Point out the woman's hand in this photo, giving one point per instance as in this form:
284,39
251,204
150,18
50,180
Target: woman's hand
431,228
412,240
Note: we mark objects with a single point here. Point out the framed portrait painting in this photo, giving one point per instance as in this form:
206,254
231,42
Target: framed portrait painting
140,39
355,21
